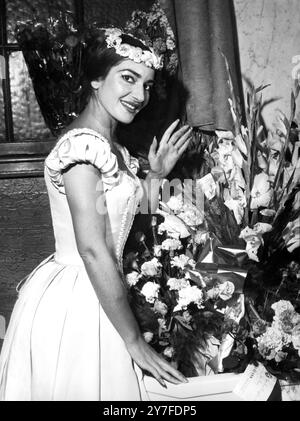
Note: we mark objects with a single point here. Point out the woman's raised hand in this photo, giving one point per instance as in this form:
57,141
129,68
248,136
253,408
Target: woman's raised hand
149,360
171,147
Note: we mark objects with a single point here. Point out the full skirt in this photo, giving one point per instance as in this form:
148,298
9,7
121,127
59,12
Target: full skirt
61,346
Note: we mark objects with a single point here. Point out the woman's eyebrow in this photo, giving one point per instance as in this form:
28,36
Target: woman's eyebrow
136,74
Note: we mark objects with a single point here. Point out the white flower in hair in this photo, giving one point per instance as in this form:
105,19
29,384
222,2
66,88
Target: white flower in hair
124,50
114,40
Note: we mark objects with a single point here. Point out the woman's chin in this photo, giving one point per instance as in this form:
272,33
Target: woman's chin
126,119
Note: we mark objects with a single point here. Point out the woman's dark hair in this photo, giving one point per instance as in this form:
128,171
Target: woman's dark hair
98,59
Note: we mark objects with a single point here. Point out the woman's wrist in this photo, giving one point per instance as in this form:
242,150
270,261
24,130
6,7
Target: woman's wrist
153,175
133,339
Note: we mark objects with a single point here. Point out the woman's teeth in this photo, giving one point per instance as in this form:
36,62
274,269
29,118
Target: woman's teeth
130,107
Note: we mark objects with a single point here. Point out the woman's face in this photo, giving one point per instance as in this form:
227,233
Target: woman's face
125,90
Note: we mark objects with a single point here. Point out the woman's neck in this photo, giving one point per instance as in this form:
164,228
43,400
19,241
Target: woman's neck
92,118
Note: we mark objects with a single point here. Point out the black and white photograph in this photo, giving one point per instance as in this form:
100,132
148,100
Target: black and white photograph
149,203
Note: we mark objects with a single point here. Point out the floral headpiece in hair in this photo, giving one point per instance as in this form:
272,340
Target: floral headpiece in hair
149,58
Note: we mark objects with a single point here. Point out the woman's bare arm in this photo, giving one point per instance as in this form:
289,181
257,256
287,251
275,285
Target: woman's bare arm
88,215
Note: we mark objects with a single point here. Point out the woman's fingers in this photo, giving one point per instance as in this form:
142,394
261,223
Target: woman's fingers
148,359
157,376
161,374
153,147
171,374
182,139
167,372
169,131
184,146
170,378
178,134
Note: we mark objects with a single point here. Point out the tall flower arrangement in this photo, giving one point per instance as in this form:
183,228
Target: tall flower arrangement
254,173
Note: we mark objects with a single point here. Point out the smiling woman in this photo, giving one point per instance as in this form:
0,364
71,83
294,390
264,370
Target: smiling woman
126,88
131,78
85,349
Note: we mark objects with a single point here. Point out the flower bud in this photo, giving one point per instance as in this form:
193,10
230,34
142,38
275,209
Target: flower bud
140,237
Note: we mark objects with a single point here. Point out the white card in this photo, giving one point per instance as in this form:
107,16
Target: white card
256,384
208,186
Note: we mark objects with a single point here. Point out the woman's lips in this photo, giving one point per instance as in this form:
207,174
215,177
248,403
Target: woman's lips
129,106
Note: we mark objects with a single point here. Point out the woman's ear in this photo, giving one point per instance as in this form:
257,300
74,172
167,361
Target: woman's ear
96,84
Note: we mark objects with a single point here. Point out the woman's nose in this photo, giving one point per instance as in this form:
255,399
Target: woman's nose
139,92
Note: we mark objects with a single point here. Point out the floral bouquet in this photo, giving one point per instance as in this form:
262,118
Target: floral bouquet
184,315
270,330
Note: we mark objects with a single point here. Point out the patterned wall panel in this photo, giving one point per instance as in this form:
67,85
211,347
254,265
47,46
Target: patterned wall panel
269,35
26,235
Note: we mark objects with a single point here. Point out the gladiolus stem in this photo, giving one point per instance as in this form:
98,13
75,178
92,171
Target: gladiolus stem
254,217
252,308
146,248
154,235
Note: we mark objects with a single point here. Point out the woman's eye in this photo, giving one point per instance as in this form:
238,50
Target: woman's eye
128,78
148,87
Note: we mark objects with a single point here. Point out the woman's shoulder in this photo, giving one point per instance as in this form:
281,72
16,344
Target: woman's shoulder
81,145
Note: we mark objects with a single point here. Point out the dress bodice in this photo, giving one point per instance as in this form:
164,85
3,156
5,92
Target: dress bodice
122,191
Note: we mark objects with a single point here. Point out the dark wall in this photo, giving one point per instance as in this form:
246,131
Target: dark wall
26,235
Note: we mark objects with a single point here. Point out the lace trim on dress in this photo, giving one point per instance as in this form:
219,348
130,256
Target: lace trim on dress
130,161
82,146
132,205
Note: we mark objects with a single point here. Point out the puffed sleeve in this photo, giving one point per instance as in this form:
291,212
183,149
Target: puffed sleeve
82,147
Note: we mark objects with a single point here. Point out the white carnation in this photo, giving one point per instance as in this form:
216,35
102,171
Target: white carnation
150,291
169,352
175,204
188,295
171,244
281,306
151,267
132,278
177,284
181,261
148,336
271,342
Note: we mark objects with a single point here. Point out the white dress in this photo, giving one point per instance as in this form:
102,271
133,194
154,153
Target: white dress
59,344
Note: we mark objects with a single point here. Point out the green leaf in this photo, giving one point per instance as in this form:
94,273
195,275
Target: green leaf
293,104
183,323
261,87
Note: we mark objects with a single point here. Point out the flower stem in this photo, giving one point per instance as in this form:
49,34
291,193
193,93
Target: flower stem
252,308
